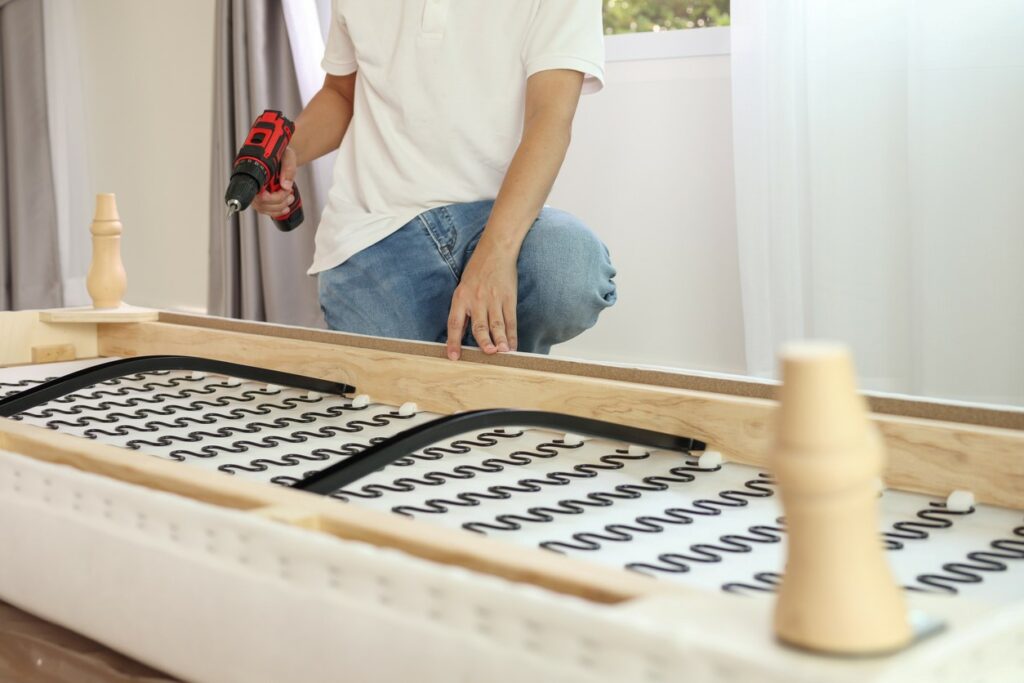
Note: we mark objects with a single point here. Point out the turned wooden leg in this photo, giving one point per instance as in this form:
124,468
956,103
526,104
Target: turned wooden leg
838,594
106,280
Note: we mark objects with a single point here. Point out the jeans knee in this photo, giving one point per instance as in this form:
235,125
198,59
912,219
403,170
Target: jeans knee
589,276
572,273
577,302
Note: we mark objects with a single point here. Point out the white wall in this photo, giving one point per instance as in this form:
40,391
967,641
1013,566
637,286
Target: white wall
147,71
650,169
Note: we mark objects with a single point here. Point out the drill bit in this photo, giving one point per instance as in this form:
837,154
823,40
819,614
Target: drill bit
234,206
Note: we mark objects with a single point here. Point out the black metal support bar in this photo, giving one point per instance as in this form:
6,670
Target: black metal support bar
400,445
61,386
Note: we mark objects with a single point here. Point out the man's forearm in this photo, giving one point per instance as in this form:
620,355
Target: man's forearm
321,126
528,180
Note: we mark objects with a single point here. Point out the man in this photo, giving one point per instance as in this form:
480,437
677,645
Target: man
453,118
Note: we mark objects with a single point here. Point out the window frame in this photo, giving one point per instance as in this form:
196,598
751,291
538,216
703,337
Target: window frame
686,42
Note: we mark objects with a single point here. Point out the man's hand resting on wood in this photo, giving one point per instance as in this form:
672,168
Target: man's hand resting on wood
486,300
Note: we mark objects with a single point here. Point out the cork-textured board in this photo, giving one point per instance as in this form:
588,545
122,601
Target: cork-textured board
1005,418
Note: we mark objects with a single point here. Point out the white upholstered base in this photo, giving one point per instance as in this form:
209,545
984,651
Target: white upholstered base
211,594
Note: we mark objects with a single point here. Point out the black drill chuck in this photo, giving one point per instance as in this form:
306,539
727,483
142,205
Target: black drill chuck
242,189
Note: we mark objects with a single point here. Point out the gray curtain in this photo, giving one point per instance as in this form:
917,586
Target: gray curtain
29,252
256,271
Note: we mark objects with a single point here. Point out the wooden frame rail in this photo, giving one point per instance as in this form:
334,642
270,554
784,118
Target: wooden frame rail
924,455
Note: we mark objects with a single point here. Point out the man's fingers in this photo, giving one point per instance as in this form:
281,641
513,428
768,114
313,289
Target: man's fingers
274,209
277,197
511,326
497,328
279,208
268,201
456,328
273,203
481,331
489,326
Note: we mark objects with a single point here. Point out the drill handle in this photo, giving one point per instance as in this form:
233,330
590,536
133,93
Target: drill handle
292,217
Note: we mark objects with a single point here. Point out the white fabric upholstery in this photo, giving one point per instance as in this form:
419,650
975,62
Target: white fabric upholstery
211,594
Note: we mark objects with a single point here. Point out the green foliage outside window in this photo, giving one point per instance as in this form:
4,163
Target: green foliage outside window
632,16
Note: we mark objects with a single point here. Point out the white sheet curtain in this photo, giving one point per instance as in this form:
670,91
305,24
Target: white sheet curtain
29,254
71,181
879,168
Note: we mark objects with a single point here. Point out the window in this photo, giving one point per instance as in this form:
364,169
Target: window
641,16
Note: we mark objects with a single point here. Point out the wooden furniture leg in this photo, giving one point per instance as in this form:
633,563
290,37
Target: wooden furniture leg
838,594
106,280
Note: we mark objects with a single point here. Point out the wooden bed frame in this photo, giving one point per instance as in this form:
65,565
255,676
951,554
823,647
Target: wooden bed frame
933,448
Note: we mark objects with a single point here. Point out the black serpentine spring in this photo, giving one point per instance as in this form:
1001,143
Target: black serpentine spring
291,460
110,416
194,406
505,491
295,437
705,553
346,450
7,388
935,516
457,447
680,474
759,487
980,562
245,445
104,390
210,417
536,484
764,582
437,477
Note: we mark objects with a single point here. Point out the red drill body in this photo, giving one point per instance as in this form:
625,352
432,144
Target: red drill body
257,168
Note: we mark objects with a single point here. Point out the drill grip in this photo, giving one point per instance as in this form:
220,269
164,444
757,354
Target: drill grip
259,159
292,217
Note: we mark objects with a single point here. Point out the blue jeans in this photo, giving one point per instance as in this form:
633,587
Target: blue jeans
402,286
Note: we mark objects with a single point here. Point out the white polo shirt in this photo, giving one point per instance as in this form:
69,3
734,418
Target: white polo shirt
439,103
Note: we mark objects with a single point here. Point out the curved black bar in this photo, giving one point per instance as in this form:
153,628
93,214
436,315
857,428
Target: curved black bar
342,474
61,386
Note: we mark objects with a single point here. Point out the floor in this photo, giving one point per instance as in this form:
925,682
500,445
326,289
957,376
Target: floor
32,649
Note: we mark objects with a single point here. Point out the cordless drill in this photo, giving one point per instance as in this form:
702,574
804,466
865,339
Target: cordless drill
257,167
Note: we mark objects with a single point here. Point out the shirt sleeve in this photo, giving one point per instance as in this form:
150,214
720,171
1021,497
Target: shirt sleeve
567,34
339,54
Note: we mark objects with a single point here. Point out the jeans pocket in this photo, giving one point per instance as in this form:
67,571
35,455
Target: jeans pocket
441,230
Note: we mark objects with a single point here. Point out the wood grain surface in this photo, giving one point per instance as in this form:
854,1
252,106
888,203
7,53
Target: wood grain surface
927,456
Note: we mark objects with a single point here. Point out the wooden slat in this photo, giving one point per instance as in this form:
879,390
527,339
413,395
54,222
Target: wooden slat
430,542
925,456
53,353
20,331
292,516
88,315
